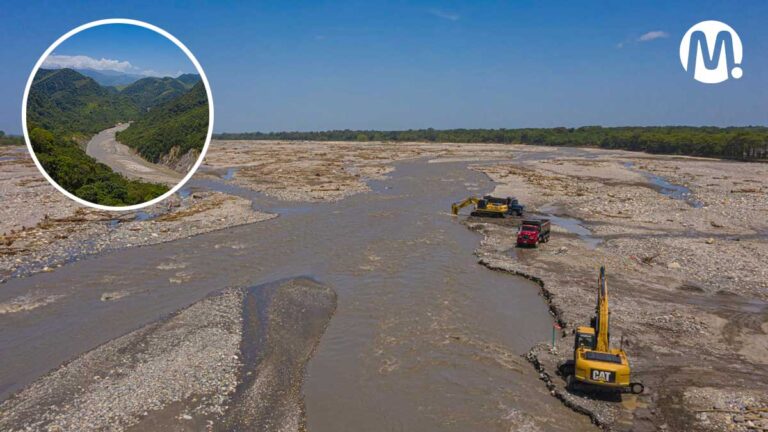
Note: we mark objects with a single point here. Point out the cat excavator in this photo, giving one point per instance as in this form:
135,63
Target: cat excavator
490,206
595,364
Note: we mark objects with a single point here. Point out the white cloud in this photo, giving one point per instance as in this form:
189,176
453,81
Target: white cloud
450,16
651,35
85,62
56,61
154,73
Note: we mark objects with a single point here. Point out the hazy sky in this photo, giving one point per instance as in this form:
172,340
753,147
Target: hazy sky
121,48
397,65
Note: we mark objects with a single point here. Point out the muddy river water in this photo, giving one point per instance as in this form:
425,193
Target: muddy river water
424,338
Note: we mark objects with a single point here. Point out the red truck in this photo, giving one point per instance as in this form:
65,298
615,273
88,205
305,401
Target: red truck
532,232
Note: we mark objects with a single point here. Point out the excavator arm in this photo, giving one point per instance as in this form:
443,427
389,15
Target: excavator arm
602,314
455,207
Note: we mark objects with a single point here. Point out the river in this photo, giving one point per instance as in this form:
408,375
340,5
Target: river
424,338
122,159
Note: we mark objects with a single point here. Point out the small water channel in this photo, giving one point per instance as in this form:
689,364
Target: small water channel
575,226
666,188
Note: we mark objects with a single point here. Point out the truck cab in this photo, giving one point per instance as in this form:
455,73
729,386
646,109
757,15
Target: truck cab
514,207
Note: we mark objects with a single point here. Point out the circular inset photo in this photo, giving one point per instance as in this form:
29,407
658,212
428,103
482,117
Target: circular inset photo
117,114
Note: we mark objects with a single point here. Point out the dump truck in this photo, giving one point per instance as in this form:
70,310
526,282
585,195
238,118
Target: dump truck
595,365
533,231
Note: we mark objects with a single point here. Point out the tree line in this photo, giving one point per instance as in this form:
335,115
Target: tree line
10,139
742,143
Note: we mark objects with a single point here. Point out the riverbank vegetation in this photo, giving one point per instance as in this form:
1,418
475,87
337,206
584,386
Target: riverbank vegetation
743,143
83,176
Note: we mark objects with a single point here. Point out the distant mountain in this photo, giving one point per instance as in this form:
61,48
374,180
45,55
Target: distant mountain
189,79
110,78
63,100
151,91
175,127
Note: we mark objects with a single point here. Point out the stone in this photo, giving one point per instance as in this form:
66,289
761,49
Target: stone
673,265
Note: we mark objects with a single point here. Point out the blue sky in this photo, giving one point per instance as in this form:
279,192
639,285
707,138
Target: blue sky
121,48
397,65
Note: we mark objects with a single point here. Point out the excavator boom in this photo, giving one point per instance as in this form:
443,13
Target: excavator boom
455,207
602,313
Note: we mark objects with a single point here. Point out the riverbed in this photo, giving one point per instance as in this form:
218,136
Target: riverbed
105,148
423,338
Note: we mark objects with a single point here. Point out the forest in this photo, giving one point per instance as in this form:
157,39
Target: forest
742,143
180,122
65,108
72,169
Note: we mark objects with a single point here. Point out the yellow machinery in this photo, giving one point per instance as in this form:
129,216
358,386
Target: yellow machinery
487,206
594,362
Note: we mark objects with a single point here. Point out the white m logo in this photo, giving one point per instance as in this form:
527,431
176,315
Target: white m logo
711,49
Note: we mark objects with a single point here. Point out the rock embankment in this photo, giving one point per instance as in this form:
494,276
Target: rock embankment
178,162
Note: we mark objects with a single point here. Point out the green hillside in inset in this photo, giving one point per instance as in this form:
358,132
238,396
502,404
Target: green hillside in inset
66,101
181,122
65,106
149,92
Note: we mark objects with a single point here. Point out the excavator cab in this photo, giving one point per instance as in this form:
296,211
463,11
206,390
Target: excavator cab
585,337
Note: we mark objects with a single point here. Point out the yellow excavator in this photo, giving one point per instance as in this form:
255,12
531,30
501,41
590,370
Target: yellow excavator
489,206
595,364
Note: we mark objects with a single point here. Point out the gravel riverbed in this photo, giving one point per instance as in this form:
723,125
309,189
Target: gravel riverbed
232,361
688,286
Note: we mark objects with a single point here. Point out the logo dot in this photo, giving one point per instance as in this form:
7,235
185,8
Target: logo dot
736,72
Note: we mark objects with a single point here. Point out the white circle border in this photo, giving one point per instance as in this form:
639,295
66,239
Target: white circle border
138,24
